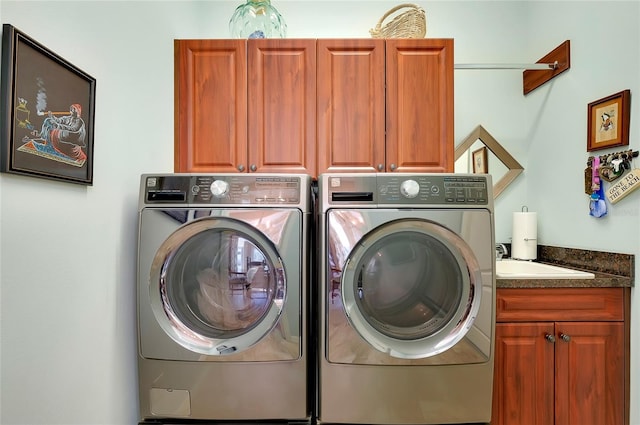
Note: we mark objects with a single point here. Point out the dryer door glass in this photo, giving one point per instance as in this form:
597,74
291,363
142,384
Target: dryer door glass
410,288
409,285
220,285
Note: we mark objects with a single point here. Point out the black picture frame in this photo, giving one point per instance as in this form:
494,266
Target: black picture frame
48,112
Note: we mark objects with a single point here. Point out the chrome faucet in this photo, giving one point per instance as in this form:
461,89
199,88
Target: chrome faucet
501,251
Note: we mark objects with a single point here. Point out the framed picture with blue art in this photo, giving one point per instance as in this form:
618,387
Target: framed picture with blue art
48,110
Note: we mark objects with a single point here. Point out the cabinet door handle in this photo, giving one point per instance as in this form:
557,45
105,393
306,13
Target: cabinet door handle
550,338
253,167
380,167
241,167
393,167
565,337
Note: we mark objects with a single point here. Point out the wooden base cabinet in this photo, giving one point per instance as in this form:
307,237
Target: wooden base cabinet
561,357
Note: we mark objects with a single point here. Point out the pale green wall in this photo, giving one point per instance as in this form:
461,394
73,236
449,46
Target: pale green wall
67,264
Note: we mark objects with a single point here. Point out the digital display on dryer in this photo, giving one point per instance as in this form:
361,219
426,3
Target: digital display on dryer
468,190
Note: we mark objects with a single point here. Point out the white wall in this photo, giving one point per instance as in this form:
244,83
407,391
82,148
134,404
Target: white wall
67,252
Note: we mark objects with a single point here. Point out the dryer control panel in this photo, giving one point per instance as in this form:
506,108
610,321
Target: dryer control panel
229,189
395,188
408,189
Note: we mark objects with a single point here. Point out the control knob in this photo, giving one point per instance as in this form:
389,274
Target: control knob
219,188
410,188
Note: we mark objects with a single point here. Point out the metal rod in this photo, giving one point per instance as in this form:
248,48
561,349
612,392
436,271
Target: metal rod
539,66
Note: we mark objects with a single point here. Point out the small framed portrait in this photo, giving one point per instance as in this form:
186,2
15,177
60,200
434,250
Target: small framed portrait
48,108
608,121
479,158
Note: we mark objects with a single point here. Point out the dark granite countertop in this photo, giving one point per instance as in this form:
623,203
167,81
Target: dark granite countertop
610,269
601,280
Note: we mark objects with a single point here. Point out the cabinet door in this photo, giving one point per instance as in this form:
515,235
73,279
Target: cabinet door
350,102
590,373
282,105
524,374
419,115
210,105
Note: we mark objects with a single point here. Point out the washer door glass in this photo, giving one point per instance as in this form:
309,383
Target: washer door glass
217,286
408,289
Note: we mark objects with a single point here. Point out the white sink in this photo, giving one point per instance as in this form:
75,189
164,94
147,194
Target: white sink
520,269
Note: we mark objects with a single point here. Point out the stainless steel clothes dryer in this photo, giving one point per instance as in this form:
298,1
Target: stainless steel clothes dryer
223,297
407,298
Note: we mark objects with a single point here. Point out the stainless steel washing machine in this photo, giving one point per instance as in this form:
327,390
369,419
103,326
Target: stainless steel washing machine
407,298
223,297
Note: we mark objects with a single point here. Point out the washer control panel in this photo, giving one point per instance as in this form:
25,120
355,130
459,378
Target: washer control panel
231,189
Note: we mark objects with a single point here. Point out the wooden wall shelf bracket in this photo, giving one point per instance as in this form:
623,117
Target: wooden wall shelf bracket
540,66
554,63
561,55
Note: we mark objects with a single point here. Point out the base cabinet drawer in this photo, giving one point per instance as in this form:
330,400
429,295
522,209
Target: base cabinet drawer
556,304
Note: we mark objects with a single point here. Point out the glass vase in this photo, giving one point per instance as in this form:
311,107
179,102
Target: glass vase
257,19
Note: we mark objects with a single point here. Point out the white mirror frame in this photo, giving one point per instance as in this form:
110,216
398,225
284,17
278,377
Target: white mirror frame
514,168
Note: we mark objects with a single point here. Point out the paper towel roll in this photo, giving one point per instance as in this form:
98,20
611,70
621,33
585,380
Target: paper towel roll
524,243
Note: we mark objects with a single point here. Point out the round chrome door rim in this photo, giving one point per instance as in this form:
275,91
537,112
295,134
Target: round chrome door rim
176,328
446,336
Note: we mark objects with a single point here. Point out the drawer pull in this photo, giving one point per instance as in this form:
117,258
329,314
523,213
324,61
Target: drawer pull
550,338
565,337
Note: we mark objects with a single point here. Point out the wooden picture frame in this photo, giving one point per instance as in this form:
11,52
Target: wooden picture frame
479,158
608,121
48,109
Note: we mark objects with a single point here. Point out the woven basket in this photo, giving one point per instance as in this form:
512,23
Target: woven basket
411,23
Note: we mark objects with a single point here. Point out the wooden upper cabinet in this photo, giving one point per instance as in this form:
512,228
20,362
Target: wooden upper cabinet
312,106
210,105
419,106
351,90
245,106
282,108
385,105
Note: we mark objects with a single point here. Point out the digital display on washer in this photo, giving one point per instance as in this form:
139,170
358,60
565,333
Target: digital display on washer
166,189
263,190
